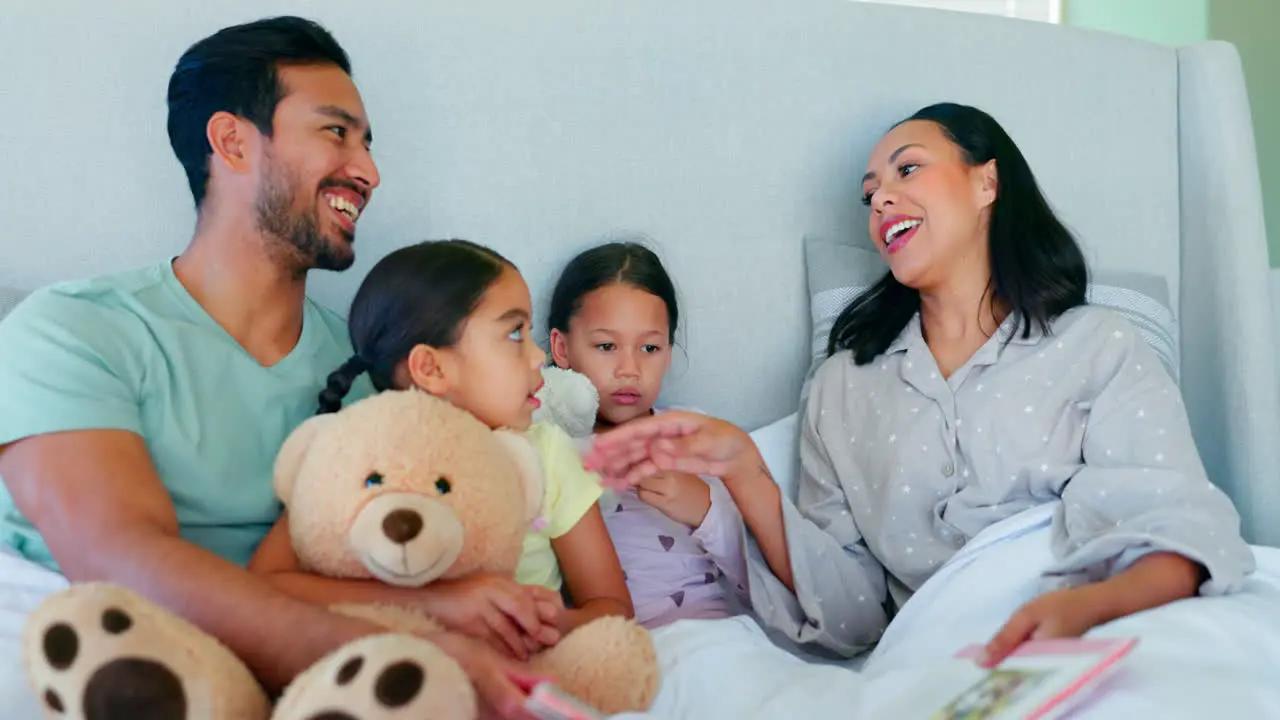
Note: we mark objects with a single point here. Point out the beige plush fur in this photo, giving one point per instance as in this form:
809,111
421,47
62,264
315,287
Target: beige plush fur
436,467
409,679
101,651
400,487
467,496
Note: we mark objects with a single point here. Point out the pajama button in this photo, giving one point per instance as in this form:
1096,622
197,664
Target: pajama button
948,469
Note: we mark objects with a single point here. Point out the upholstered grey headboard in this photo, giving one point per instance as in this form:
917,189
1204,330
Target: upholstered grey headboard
725,130
9,297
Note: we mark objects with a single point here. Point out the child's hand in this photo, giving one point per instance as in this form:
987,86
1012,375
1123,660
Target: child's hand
680,496
1059,614
551,611
513,618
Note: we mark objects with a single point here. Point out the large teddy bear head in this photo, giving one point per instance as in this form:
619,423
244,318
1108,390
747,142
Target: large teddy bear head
406,488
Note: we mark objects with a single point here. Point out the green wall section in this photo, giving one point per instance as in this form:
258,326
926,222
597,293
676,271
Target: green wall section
1169,22
1251,25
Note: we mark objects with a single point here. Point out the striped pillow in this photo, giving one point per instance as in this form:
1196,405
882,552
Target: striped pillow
1144,301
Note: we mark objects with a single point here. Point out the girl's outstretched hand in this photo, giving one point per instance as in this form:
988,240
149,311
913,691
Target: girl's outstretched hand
675,440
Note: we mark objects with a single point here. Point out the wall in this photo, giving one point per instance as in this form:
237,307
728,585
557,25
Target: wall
1249,24
1168,22
727,130
1252,25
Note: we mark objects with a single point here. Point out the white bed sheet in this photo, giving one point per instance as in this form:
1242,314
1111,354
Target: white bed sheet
1204,657
23,585
1199,658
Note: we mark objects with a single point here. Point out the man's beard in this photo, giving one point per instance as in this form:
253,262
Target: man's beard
295,235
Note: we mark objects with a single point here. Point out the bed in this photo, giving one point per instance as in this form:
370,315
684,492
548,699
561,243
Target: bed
731,136
1198,658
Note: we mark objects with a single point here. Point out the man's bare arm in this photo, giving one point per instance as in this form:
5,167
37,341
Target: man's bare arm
97,500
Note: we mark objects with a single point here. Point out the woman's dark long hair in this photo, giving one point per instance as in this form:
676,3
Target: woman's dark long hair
417,295
1037,270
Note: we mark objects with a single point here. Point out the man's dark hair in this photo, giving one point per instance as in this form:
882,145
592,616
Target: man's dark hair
236,70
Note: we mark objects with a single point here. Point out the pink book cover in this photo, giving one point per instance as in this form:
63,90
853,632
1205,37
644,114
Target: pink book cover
1038,681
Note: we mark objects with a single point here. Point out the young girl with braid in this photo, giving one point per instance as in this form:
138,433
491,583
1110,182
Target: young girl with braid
453,319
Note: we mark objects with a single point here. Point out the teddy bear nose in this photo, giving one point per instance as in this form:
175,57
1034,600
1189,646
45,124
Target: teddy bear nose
401,526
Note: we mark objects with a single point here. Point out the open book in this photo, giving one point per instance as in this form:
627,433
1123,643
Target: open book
1039,681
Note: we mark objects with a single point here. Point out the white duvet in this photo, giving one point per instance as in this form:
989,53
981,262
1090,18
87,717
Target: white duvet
1200,658
23,585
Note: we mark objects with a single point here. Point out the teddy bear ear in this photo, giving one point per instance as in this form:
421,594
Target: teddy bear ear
569,400
529,465
289,459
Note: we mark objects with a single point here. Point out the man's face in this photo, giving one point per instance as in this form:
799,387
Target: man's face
315,172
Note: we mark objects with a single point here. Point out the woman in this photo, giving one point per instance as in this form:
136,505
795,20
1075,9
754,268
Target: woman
971,383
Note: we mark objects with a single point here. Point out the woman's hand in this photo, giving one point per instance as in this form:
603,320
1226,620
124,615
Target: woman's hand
701,445
680,441
1153,580
515,619
502,685
1059,614
680,496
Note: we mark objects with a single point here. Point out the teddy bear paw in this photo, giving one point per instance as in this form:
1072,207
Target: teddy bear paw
97,651
609,663
381,676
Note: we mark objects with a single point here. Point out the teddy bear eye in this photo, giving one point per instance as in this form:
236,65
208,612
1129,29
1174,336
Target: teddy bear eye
443,486
373,480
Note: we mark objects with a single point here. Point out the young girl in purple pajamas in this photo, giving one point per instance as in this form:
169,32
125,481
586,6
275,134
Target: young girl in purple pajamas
679,537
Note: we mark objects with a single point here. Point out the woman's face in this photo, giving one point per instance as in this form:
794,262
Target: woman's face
929,208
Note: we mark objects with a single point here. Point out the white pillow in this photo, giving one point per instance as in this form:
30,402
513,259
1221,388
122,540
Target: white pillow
779,444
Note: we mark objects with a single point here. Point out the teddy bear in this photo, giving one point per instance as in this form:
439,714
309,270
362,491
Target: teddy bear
406,488
98,651
401,487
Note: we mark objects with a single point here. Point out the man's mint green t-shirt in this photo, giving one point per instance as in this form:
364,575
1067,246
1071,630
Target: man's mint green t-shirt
134,351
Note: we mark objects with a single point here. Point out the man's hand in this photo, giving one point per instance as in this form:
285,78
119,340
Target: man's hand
513,618
680,496
502,685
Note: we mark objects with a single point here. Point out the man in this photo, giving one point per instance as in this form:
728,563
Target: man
141,412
